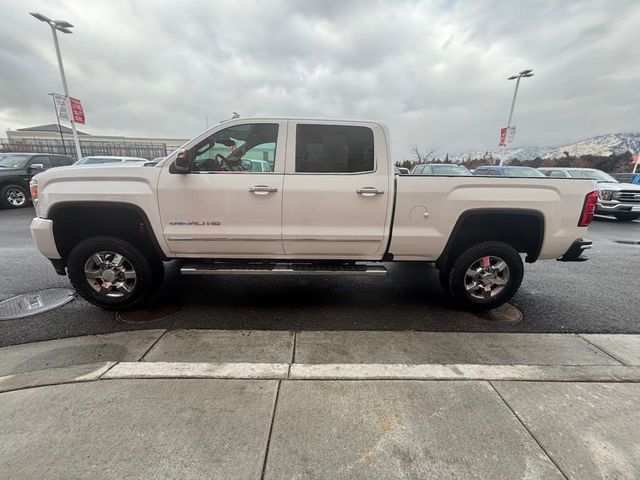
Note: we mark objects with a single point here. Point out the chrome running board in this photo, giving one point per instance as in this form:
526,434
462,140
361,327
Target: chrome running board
219,268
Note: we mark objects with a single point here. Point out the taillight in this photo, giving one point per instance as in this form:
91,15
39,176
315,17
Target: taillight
588,209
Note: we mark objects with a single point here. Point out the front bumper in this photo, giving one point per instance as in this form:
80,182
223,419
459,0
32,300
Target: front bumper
42,233
612,207
574,254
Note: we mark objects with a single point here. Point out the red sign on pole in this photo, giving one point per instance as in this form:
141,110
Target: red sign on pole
76,110
634,158
503,137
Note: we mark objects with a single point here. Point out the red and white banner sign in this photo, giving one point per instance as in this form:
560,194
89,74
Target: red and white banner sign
76,110
503,137
634,159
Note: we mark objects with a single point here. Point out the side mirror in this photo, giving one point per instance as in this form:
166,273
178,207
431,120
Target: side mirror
182,163
36,166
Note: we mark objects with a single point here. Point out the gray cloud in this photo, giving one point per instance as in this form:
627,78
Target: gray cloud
434,71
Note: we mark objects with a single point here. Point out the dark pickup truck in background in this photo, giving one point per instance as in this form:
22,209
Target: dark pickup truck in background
16,171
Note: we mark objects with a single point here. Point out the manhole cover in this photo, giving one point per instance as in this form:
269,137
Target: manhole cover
506,313
153,313
33,303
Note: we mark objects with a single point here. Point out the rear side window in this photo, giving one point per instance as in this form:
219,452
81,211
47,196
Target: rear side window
556,174
334,149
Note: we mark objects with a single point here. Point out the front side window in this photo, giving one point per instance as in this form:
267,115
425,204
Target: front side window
248,148
44,160
334,149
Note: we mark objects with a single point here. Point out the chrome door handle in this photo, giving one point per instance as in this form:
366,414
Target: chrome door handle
369,191
262,189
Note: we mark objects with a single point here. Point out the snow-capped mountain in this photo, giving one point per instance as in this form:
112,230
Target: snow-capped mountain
602,145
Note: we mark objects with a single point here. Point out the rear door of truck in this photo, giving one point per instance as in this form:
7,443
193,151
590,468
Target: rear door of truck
337,190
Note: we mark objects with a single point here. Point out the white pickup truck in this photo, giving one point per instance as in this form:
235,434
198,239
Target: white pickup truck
299,197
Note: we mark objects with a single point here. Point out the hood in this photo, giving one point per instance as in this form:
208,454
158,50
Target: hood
616,187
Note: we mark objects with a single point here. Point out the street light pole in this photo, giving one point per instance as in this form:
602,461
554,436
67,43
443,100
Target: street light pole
55,107
525,73
63,26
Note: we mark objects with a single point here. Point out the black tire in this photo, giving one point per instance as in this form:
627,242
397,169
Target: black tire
458,276
11,194
145,280
626,217
443,275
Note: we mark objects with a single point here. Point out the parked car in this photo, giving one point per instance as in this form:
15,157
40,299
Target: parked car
622,200
507,171
403,171
301,217
633,178
102,159
440,169
17,169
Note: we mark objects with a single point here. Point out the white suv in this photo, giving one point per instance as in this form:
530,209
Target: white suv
621,200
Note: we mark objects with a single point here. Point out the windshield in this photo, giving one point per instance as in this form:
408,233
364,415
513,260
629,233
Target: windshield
13,161
597,175
96,160
449,170
523,172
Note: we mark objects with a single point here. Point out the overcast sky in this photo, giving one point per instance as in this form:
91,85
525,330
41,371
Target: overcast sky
433,71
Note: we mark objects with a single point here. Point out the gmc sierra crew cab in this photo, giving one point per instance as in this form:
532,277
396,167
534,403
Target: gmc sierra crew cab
300,197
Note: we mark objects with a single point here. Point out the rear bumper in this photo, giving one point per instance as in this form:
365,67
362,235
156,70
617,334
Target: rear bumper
42,233
574,254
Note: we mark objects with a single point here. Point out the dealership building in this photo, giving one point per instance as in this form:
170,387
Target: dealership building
50,139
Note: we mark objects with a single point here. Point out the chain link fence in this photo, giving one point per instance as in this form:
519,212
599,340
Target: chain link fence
89,148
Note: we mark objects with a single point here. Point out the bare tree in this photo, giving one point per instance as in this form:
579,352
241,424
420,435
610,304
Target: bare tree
419,155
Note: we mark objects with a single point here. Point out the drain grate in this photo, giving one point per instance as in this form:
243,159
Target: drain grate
33,303
628,242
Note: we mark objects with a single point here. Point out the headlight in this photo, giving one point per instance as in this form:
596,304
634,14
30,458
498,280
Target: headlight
605,194
33,187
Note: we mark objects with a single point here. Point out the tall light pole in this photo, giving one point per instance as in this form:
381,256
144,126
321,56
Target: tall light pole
523,74
64,27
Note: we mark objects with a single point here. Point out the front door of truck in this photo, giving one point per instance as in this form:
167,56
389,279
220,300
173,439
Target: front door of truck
337,191
230,204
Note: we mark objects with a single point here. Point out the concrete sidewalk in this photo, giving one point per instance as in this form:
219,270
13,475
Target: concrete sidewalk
282,405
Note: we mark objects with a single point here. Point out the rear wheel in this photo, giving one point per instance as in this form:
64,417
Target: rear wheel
112,273
13,196
626,217
485,276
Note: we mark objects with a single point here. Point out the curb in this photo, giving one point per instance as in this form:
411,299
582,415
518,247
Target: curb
336,372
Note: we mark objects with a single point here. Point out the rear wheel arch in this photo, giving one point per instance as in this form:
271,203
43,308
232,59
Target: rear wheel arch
522,229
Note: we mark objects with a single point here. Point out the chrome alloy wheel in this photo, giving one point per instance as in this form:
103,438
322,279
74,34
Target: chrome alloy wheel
15,197
110,274
486,277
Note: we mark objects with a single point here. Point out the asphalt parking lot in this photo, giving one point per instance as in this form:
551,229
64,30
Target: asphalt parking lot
598,296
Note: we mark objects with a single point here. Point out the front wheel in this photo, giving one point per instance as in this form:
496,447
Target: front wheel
485,276
111,273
